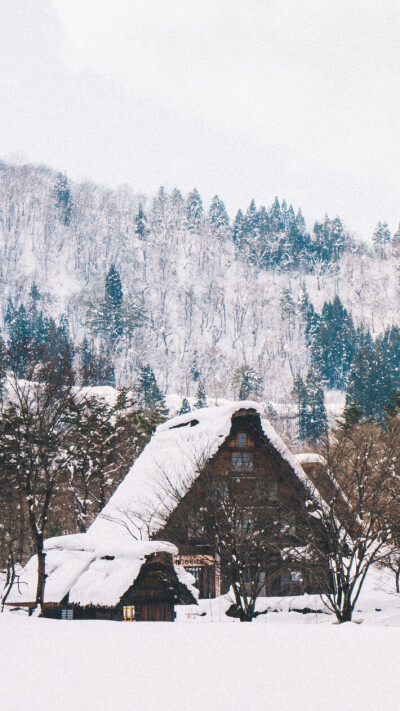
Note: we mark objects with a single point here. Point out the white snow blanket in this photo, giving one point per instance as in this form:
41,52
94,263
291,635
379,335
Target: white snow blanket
99,666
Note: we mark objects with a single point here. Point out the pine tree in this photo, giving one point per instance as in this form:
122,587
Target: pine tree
299,394
113,316
160,210
177,211
263,222
239,231
63,198
392,409
19,341
309,316
338,238
56,356
289,217
334,344
276,217
185,407
201,397
86,362
114,289
300,222
396,243
149,395
288,307
352,415
362,388
218,215
194,210
108,319
330,240
141,228
381,238
251,220
317,423
251,242
246,382
38,348
96,367
195,367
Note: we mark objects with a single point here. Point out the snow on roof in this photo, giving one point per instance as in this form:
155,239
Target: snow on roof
92,573
170,463
310,458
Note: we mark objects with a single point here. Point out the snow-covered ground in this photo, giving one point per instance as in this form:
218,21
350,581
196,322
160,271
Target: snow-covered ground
290,661
49,665
378,604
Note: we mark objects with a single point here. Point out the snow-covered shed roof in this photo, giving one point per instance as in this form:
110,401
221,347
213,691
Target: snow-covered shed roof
171,462
310,458
93,573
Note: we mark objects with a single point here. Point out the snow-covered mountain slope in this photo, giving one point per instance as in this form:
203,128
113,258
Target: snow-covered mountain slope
205,310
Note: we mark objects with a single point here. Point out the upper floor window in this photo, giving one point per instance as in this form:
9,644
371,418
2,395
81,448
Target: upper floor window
265,489
242,461
221,489
195,525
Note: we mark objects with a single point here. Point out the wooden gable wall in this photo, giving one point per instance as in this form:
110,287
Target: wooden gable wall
265,468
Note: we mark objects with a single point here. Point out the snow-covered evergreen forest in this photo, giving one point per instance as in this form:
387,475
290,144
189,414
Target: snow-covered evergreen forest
260,304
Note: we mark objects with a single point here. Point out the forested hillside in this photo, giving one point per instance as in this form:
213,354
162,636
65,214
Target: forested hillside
170,295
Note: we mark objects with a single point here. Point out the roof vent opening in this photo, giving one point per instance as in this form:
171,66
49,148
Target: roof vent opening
191,423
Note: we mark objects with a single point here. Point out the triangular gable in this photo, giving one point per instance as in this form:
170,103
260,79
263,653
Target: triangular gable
171,462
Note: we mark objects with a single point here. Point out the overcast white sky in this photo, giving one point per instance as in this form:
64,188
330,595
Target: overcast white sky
245,98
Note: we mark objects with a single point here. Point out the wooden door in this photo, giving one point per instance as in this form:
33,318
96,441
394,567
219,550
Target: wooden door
155,612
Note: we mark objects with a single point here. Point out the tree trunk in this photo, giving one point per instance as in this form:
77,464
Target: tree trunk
41,581
246,618
10,578
346,611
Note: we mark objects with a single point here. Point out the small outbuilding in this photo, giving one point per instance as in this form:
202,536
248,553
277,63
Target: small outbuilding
87,579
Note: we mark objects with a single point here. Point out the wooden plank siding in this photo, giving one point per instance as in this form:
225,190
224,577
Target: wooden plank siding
264,471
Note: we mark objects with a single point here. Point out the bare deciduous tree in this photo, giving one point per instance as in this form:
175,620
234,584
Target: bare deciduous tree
358,520
33,449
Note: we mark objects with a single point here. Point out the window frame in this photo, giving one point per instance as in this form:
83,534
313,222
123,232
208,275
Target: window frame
239,459
67,613
241,444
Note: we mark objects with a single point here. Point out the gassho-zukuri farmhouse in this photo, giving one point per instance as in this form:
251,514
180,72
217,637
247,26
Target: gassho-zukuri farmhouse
146,552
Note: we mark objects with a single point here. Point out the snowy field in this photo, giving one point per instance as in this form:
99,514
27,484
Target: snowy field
283,660
50,665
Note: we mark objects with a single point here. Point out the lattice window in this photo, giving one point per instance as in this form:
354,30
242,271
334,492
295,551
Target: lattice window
242,439
242,461
67,614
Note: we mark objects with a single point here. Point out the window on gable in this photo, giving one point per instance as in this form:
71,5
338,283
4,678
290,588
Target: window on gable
242,439
242,461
